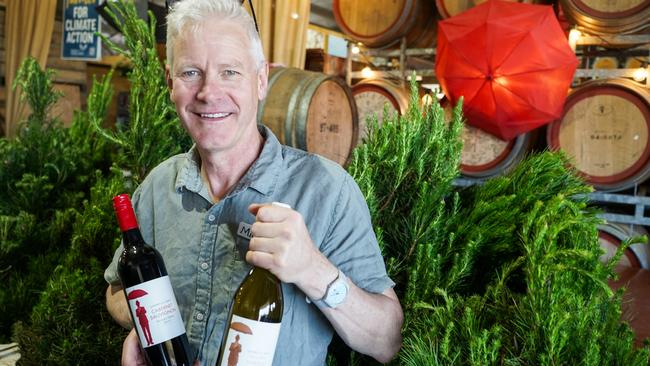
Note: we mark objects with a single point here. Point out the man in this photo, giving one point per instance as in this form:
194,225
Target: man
190,207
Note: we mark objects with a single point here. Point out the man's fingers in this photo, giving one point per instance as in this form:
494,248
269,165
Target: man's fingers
270,230
268,212
254,207
259,259
267,245
131,351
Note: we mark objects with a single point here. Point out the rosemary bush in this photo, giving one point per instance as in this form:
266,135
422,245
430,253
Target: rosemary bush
69,323
154,131
45,174
503,273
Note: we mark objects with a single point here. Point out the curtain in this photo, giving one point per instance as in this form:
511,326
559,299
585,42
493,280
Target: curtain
283,29
28,32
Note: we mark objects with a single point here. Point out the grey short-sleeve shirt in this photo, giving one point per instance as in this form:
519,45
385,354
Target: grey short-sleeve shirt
204,254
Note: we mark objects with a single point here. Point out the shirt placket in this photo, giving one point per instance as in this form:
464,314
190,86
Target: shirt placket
204,275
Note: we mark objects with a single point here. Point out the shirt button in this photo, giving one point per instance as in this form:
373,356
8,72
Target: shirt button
199,316
211,218
205,265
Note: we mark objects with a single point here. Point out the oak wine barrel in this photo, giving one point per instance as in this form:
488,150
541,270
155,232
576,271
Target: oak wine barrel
485,155
608,17
372,95
382,23
449,8
635,62
605,129
604,62
610,236
311,111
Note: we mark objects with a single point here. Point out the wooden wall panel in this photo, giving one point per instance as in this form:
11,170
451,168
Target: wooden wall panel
2,44
66,105
67,71
70,78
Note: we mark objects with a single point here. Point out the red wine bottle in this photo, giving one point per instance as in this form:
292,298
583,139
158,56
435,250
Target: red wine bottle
149,294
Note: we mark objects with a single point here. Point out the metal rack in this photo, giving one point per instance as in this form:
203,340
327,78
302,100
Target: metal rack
638,204
585,40
628,40
400,73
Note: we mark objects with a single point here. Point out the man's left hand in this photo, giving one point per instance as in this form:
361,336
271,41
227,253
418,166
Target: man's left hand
281,243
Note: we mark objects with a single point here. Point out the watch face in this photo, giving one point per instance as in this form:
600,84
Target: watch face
337,293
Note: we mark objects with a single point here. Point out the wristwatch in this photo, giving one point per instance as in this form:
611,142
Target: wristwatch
335,293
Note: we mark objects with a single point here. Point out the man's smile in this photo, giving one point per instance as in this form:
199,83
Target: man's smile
214,115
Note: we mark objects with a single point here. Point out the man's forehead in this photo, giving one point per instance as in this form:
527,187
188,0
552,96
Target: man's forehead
224,26
215,35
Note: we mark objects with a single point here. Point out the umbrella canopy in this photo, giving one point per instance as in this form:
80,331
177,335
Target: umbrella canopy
510,61
137,293
241,327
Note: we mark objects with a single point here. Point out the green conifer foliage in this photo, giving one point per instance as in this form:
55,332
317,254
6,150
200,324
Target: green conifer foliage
405,170
45,173
153,132
503,273
69,323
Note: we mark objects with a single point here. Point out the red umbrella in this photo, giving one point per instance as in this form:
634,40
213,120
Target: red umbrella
510,61
241,327
136,294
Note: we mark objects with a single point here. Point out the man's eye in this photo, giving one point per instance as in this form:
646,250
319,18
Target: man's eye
189,74
230,73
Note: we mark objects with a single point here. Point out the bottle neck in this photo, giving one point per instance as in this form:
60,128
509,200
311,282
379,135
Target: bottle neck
132,237
260,272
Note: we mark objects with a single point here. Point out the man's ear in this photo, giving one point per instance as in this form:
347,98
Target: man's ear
168,78
262,81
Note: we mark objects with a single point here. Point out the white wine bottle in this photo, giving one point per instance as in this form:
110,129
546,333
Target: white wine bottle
254,324
255,319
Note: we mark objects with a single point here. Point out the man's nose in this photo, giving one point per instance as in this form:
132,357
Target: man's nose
211,88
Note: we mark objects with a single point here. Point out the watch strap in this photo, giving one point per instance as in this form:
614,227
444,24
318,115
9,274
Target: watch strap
322,301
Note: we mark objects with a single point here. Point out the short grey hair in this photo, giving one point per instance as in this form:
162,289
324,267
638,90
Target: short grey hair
191,13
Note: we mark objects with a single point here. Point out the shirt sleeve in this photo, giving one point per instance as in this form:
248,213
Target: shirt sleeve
110,273
351,244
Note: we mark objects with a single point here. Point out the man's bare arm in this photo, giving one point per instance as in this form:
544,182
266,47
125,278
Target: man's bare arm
117,307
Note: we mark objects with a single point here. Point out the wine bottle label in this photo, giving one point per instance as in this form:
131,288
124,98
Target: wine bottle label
250,342
155,311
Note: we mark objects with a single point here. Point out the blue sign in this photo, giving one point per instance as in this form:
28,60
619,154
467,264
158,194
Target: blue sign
80,27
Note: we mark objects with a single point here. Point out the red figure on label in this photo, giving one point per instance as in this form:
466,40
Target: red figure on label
235,348
141,313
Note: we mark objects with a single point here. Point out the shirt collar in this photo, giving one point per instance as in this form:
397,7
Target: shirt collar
262,176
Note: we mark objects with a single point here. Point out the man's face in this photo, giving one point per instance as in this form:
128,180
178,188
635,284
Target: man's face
215,85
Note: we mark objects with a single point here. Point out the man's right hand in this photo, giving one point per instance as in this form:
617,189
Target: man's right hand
131,351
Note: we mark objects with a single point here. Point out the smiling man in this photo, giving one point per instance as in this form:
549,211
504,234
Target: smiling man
323,249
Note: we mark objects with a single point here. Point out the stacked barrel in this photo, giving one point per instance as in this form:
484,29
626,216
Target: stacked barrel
605,126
